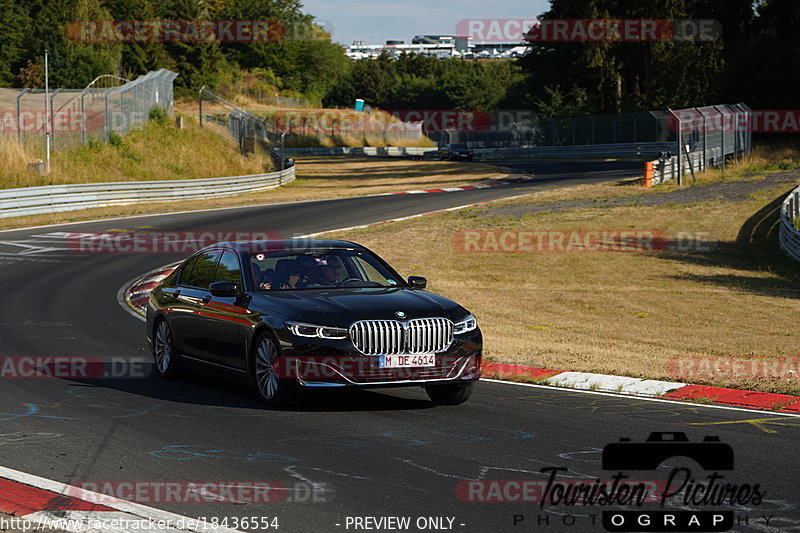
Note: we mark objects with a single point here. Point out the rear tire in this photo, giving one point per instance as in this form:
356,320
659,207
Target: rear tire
273,390
450,394
164,351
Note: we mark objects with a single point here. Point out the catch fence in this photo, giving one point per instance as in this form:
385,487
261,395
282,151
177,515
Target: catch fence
76,116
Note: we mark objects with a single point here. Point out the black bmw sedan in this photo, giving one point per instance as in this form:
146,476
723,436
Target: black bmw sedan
311,313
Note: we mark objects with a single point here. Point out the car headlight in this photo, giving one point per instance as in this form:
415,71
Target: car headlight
313,330
468,324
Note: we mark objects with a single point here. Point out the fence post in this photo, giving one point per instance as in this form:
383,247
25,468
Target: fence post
19,110
679,133
705,140
53,120
83,118
200,105
105,122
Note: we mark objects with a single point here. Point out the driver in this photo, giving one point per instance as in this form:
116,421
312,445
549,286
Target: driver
325,272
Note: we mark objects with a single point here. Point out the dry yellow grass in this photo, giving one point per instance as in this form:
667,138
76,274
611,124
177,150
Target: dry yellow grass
150,153
632,314
318,178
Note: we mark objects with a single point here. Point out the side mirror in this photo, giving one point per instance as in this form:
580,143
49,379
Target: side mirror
417,282
223,288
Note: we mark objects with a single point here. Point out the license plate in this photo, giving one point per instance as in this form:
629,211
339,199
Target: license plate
408,361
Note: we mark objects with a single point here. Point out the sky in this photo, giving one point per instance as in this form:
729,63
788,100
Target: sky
376,21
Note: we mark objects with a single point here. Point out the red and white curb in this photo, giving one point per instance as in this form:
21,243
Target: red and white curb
648,388
134,295
43,503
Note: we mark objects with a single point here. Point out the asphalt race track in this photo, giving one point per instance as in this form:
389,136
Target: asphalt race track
338,456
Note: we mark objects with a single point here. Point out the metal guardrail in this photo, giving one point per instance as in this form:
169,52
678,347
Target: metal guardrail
789,237
591,150
359,150
538,152
668,168
71,197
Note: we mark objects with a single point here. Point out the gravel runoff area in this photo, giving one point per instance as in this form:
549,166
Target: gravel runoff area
723,191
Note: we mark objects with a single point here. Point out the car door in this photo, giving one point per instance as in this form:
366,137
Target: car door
224,325
186,315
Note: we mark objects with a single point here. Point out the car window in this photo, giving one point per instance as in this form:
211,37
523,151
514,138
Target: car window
228,269
370,272
186,271
202,271
318,268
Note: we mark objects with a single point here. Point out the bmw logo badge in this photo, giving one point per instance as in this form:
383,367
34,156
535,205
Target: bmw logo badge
400,314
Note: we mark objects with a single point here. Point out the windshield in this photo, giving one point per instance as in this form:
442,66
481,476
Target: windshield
320,269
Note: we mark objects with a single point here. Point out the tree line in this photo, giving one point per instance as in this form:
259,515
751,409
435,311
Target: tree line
755,60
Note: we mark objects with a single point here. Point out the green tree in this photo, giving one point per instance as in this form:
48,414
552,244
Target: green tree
14,26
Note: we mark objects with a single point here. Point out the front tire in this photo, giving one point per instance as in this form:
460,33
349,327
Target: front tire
273,390
164,351
450,394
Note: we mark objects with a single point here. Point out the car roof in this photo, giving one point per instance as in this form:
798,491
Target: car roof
284,245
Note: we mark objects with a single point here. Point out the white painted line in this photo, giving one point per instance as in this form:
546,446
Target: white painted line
643,398
132,508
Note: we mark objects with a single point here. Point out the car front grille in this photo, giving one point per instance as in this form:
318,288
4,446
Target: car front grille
390,337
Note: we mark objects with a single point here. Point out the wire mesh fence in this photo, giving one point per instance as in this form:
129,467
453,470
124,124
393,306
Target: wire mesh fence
705,137
75,116
304,129
520,129
248,130
700,137
712,133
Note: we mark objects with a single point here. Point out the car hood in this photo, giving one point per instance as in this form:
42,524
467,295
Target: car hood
342,307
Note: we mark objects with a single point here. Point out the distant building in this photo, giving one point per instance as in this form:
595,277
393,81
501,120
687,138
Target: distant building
441,46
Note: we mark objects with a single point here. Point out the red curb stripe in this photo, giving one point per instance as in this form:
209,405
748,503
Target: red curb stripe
741,398
793,408
736,397
19,499
520,371
434,190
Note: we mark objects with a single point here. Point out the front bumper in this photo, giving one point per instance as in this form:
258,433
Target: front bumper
365,372
336,363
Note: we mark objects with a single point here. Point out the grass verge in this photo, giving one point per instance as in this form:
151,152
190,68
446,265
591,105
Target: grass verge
155,151
718,306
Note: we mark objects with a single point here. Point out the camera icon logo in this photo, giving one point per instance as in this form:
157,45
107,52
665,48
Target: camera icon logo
711,453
